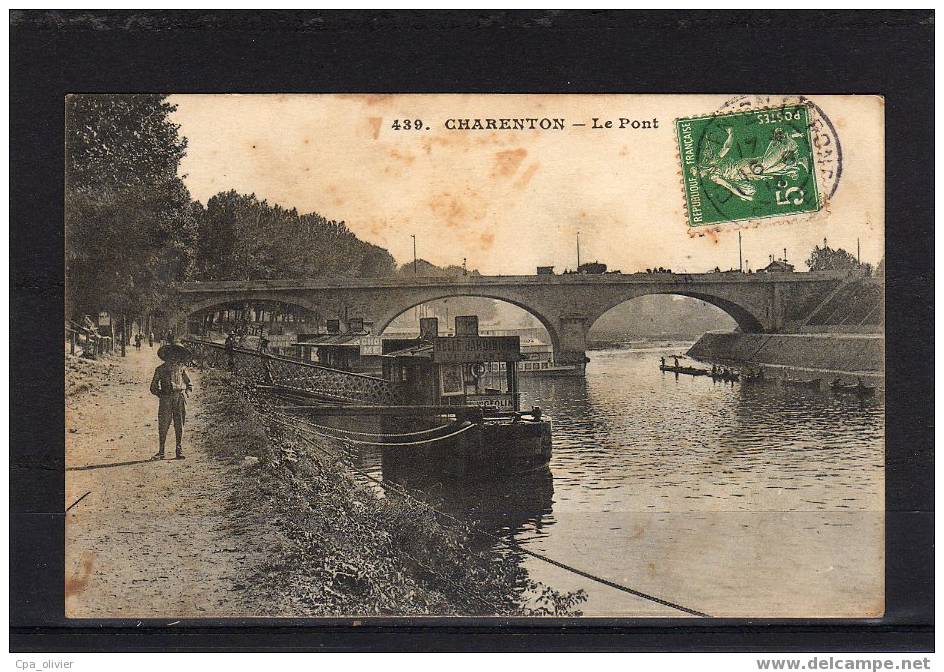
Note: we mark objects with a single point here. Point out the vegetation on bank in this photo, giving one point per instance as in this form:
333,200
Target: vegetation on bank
335,548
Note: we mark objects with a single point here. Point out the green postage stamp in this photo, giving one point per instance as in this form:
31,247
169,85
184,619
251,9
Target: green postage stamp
754,164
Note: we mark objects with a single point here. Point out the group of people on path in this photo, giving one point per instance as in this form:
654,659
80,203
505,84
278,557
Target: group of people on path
138,338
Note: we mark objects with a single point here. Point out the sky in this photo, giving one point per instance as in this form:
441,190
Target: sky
508,201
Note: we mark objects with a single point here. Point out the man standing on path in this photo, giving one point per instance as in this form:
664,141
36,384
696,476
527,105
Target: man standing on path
230,346
170,384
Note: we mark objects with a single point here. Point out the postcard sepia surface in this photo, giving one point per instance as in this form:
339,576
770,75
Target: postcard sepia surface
491,355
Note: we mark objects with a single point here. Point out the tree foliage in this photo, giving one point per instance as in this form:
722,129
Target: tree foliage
118,141
826,258
244,238
130,224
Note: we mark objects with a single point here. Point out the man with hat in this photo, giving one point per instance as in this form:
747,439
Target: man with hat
170,384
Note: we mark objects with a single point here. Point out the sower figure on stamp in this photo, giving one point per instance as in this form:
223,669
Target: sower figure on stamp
170,384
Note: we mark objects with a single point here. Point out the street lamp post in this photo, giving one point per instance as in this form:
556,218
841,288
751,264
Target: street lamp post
740,254
414,253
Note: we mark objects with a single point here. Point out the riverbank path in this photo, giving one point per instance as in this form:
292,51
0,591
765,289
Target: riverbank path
148,538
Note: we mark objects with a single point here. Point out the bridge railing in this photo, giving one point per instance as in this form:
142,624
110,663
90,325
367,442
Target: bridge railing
410,281
332,384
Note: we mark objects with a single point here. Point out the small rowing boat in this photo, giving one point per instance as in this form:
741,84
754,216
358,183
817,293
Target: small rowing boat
810,384
687,370
852,388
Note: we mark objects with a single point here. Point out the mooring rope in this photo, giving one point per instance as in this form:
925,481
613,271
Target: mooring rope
351,431
390,444
510,544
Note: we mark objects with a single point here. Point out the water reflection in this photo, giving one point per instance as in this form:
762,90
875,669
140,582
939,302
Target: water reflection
631,436
736,499
507,508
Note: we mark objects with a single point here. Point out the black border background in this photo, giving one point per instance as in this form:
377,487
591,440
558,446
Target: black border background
866,52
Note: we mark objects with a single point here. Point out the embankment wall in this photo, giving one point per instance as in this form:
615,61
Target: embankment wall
848,353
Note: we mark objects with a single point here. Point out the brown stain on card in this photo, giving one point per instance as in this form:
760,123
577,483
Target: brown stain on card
334,195
369,99
467,140
449,209
708,232
376,228
406,157
459,211
525,178
375,123
373,99
78,582
507,162
449,141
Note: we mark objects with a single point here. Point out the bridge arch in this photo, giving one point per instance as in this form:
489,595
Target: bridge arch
384,321
746,320
706,314
194,307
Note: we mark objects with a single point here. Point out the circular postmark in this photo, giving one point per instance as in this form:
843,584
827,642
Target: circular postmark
826,147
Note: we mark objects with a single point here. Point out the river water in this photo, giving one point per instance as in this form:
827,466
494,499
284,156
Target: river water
734,500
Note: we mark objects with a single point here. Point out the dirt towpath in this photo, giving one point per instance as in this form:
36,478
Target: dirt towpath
149,540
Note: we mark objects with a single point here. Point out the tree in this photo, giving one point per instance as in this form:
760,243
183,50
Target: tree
130,224
120,141
376,262
243,238
826,258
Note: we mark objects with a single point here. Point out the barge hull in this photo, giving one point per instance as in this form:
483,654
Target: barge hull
487,450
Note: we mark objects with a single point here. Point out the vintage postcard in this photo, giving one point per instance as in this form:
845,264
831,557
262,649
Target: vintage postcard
474,355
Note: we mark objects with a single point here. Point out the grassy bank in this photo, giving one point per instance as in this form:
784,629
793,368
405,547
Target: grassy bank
84,375
334,548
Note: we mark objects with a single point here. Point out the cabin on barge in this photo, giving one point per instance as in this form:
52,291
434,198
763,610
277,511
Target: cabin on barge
463,371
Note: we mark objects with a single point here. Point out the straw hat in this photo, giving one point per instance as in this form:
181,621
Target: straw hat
174,352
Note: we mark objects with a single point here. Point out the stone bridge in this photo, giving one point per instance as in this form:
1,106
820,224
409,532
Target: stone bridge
567,305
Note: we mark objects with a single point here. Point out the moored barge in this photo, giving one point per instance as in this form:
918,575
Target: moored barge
465,371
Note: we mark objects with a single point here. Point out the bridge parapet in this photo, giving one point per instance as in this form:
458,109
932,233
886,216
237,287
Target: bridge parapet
516,280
